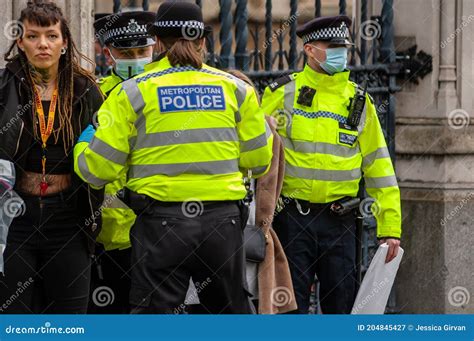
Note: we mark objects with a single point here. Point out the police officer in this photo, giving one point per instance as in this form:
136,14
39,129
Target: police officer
184,132
332,138
129,46
101,67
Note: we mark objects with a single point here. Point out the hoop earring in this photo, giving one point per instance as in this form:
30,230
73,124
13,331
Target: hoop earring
63,50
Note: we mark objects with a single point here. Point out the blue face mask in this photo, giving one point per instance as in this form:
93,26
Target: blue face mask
127,68
336,60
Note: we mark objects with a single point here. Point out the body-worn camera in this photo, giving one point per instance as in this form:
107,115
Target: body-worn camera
306,96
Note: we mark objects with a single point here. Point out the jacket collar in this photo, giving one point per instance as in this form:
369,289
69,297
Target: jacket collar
18,72
158,62
323,81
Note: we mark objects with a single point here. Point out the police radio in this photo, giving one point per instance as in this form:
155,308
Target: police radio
356,107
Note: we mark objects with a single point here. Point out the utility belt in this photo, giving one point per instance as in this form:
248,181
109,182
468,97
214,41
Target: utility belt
141,203
339,207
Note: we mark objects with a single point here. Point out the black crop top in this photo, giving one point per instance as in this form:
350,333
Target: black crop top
57,161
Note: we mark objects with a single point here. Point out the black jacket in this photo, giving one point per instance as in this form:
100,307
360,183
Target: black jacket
16,135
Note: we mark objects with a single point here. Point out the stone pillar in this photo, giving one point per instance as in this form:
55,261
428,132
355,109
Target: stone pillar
8,15
447,98
435,160
78,12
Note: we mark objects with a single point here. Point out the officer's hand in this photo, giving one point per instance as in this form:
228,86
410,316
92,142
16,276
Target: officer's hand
393,246
87,134
272,122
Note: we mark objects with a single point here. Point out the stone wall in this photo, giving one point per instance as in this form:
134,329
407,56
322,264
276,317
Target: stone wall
435,159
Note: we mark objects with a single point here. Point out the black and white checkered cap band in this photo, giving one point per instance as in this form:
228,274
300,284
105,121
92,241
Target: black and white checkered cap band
327,33
124,32
180,23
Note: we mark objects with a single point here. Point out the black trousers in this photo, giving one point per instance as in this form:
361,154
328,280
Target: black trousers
169,245
324,244
111,280
47,263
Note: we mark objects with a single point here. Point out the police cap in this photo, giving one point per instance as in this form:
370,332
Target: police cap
98,16
125,30
333,29
179,20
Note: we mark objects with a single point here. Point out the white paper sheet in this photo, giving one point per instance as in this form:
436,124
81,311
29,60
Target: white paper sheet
377,283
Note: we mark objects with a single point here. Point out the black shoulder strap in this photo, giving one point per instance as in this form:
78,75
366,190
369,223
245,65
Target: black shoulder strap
280,82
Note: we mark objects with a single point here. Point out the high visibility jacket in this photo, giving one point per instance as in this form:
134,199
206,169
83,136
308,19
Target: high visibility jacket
325,158
117,217
109,82
180,133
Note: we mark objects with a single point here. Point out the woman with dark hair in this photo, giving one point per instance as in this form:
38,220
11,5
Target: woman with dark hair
46,100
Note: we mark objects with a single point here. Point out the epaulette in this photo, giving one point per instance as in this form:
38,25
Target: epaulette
370,98
356,86
280,82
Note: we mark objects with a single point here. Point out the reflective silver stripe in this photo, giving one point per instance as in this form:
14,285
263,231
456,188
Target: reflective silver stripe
88,176
322,174
257,142
320,148
380,153
186,136
112,201
134,95
288,100
361,125
259,170
240,93
381,182
237,117
108,152
136,100
173,169
132,141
